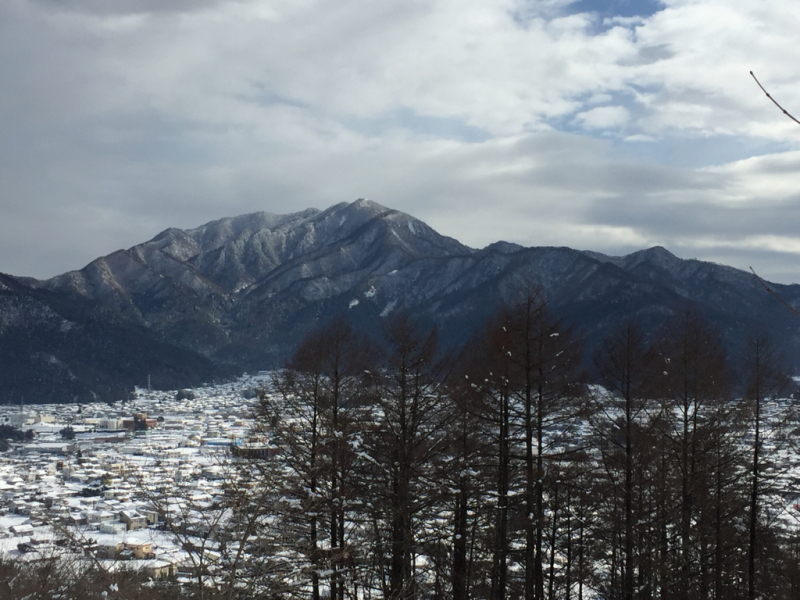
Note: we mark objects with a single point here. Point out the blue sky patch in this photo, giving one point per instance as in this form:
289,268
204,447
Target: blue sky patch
616,8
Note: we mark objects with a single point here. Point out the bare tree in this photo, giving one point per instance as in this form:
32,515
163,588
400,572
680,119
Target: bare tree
693,384
766,380
320,390
621,421
410,435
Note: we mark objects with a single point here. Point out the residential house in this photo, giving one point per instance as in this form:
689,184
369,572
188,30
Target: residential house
133,520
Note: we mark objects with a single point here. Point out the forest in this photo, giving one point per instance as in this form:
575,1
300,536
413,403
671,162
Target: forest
517,468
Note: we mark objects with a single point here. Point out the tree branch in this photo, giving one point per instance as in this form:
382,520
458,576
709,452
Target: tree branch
784,112
766,287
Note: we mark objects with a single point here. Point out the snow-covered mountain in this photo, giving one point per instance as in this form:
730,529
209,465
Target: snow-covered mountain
239,293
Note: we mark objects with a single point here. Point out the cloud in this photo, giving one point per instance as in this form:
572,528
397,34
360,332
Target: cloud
565,123
603,117
129,7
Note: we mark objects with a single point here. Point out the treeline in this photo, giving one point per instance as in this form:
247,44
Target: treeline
501,473
383,468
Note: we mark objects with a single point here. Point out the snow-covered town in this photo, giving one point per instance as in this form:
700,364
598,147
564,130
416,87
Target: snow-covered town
83,479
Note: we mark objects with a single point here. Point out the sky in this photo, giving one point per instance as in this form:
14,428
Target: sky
604,125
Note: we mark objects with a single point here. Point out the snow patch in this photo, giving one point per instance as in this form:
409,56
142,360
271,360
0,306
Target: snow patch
353,303
370,293
389,308
411,227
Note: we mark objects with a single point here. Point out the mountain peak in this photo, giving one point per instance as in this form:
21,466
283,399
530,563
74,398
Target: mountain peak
658,252
657,255
363,203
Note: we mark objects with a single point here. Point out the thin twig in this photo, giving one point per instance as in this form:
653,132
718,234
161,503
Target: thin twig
786,112
766,287
779,106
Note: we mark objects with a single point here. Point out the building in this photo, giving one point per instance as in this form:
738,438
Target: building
139,422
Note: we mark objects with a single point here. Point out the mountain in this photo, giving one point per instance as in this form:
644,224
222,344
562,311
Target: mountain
245,289
240,293
61,347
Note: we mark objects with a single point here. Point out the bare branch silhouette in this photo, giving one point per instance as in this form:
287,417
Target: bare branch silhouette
769,289
786,112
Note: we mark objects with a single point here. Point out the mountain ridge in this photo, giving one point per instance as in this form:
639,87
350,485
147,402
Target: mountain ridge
239,293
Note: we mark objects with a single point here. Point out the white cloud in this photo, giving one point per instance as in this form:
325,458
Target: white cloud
640,137
121,121
603,117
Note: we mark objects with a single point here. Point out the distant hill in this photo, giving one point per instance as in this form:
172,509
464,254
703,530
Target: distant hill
239,293
56,346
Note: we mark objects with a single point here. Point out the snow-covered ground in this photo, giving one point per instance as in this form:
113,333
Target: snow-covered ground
60,496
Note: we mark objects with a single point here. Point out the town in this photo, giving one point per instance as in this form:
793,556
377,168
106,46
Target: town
83,478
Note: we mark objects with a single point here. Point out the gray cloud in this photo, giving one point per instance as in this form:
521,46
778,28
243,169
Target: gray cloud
686,220
129,7
120,119
647,55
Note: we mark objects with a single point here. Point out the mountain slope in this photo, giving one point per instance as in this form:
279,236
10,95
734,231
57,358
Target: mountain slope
60,347
243,291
